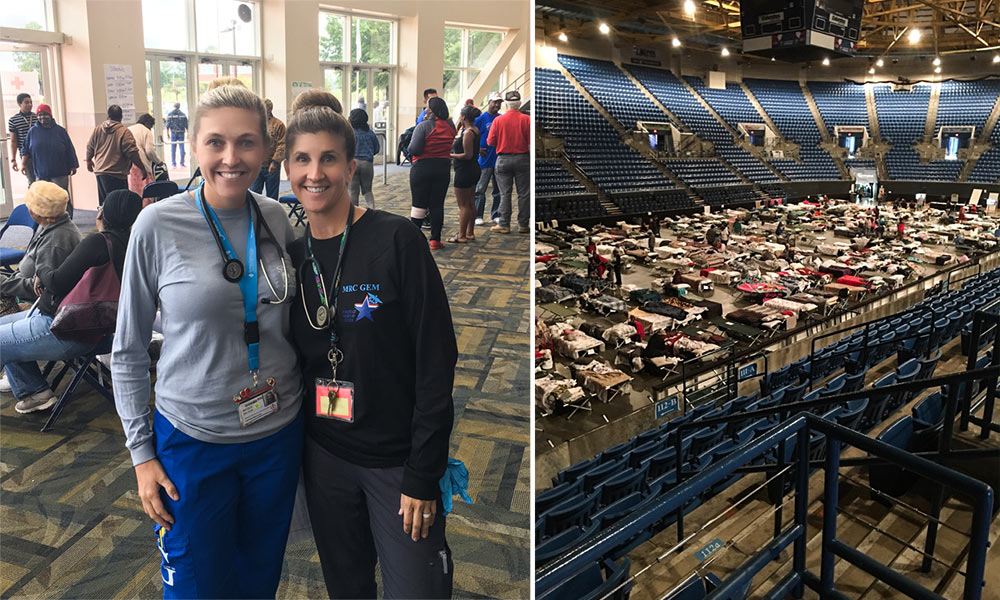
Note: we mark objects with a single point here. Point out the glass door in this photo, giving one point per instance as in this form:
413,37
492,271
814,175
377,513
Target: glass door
167,90
23,69
371,88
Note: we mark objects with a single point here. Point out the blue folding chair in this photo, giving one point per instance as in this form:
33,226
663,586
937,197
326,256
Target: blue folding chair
294,207
9,257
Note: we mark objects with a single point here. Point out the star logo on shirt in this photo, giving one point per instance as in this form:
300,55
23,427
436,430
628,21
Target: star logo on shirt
366,307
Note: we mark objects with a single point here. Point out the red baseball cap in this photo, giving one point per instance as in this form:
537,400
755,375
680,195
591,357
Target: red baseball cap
44,108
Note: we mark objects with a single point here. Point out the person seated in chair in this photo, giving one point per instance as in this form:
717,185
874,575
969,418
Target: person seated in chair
26,337
54,238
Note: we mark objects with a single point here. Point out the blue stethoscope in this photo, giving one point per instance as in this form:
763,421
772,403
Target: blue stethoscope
233,269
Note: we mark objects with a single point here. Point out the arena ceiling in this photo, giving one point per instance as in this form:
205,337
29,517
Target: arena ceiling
945,26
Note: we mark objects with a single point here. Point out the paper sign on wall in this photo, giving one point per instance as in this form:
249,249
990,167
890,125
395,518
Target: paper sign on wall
118,85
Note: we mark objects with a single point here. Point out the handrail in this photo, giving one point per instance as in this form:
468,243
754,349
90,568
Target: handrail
800,426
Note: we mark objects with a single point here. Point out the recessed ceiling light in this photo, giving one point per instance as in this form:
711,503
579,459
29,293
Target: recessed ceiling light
914,35
937,69
880,63
725,51
937,61
563,38
676,42
826,62
604,28
689,8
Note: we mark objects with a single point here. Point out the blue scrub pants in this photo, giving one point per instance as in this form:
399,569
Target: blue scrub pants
231,522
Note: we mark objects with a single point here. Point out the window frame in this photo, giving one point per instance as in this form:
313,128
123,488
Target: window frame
465,68
192,32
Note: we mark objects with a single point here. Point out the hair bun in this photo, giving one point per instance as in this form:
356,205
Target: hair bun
316,99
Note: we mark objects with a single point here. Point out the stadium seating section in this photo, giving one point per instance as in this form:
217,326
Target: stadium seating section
635,182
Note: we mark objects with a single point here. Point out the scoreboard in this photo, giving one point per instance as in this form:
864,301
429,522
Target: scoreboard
801,30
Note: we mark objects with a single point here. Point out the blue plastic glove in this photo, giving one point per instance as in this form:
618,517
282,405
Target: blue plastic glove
454,482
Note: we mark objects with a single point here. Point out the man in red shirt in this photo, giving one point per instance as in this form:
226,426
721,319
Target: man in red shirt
510,134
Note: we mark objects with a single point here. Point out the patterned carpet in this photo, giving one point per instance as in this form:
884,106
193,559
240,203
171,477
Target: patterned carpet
73,526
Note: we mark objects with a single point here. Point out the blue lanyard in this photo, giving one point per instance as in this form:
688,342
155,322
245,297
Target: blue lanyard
247,283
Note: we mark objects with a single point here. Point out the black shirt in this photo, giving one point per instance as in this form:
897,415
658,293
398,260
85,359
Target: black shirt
399,350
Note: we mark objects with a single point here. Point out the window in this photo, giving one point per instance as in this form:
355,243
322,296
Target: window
331,37
165,24
372,41
26,14
466,52
221,27
227,27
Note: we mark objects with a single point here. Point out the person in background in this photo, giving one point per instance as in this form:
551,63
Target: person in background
270,168
430,148
428,94
379,116
26,337
142,131
111,152
487,161
18,126
54,239
49,152
366,147
176,127
465,154
362,104
511,134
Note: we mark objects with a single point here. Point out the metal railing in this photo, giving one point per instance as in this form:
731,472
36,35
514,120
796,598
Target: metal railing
798,431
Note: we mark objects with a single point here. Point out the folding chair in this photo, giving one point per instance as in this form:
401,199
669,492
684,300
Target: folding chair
9,257
294,207
85,368
158,190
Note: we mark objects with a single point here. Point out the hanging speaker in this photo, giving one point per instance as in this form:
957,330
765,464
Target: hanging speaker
244,13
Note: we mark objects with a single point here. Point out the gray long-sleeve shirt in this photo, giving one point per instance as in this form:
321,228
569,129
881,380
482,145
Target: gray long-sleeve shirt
173,262
48,248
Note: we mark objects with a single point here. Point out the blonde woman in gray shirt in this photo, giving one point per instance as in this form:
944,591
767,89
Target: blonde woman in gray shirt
218,468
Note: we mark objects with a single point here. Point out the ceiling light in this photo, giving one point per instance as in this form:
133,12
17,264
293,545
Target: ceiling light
563,38
676,43
937,61
996,58
604,28
914,35
725,51
772,59
826,62
937,69
689,8
871,71
880,63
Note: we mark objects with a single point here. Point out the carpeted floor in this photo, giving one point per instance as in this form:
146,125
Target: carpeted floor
72,526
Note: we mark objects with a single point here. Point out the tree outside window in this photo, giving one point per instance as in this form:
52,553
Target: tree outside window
331,38
466,52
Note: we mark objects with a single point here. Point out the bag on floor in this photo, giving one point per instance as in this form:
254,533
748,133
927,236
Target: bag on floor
89,310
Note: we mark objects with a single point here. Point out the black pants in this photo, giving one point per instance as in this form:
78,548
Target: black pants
355,521
107,184
429,181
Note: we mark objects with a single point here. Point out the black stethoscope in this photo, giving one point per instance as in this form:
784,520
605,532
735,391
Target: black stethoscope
232,269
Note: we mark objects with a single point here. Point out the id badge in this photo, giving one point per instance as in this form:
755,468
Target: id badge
254,405
335,400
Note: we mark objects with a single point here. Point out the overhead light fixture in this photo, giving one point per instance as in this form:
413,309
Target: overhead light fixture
772,59
676,43
689,7
826,62
871,71
914,35
937,61
996,58
880,63
937,69
725,51
562,37
604,28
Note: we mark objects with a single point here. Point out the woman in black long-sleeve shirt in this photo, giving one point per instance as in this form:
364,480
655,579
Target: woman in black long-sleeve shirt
29,339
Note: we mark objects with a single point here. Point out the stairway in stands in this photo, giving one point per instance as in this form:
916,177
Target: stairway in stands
932,111
623,133
829,144
982,140
609,206
876,134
